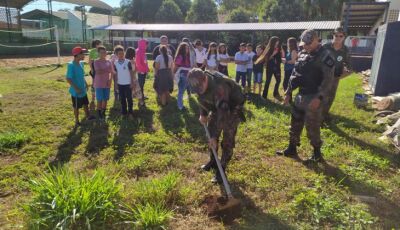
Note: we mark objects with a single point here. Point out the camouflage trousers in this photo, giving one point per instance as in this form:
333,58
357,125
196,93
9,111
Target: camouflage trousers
226,124
330,97
303,116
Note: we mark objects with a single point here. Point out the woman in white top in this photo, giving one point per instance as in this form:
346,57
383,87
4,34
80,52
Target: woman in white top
212,56
201,54
163,83
223,59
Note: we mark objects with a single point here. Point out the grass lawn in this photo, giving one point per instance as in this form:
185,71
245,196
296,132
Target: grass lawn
150,164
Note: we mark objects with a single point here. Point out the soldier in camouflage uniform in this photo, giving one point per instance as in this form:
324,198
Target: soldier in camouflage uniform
221,108
342,68
313,75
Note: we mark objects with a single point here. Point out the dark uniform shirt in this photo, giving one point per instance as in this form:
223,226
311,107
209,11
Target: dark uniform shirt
313,73
222,94
341,58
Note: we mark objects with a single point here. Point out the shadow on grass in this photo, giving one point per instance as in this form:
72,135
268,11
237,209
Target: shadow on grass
391,156
128,127
71,142
171,118
383,207
271,106
98,138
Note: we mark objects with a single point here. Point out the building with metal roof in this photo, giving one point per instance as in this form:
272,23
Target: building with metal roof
19,4
221,27
364,18
13,10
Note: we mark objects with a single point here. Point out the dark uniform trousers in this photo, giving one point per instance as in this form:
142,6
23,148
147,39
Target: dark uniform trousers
303,116
226,123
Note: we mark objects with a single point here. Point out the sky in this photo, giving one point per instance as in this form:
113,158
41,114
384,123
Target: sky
42,4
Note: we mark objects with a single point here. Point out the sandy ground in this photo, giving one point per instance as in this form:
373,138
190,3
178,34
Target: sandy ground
29,62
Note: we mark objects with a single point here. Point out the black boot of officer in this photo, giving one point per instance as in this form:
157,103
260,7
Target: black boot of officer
290,151
226,157
316,157
210,164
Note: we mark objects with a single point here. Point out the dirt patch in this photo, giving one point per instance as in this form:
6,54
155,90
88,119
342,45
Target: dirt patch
222,208
31,62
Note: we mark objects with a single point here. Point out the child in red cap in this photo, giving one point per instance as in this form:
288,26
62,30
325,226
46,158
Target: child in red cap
76,79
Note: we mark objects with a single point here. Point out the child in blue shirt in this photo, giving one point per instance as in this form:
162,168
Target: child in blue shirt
76,79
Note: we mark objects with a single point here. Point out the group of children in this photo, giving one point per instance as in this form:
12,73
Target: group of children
128,69
120,68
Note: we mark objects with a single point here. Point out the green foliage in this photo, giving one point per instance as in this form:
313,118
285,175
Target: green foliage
320,208
184,6
202,11
158,191
66,200
151,216
12,140
145,11
97,10
169,12
233,39
139,11
153,201
230,5
283,11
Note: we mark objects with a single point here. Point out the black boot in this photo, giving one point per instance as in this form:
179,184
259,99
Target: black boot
217,178
210,165
290,151
317,156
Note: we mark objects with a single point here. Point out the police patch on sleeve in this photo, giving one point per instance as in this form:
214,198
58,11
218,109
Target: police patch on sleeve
329,61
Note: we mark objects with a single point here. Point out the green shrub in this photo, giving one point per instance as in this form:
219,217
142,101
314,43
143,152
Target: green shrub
65,200
320,208
158,190
153,201
12,140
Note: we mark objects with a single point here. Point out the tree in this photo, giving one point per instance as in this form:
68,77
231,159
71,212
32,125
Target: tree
202,11
284,11
230,5
169,12
139,11
233,39
184,5
97,10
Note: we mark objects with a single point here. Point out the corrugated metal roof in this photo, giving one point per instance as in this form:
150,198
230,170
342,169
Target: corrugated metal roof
95,3
21,3
32,14
363,14
317,25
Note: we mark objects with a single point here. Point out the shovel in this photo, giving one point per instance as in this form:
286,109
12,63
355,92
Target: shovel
227,208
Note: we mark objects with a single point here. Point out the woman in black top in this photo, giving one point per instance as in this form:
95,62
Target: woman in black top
272,57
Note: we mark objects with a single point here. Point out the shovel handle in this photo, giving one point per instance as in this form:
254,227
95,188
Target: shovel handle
221,171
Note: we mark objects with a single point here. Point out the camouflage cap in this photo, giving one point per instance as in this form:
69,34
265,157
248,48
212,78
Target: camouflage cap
195,79
307,37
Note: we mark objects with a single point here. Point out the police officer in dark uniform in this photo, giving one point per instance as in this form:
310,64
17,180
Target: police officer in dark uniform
312,75
221,108
342,68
